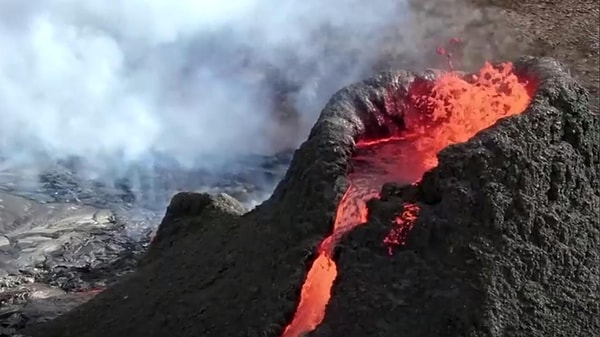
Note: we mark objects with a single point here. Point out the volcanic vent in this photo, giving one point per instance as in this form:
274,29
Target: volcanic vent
496,235
400,143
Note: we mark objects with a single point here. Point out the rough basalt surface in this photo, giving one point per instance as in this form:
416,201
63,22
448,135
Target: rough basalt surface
506,245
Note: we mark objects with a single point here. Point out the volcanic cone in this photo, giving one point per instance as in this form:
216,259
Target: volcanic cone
489,227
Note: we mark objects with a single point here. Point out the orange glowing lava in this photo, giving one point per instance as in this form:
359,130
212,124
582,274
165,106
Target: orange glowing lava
436,114
404,223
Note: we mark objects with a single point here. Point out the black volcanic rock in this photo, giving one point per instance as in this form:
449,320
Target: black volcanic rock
506,245
186,214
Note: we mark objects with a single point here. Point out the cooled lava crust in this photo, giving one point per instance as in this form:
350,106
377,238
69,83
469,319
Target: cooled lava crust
505,242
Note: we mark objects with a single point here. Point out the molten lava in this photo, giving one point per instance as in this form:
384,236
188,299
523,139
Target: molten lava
436,114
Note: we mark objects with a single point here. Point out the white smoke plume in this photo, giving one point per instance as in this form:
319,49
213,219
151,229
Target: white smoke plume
118,81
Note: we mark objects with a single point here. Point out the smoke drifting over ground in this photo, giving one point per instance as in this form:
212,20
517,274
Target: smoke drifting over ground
121,82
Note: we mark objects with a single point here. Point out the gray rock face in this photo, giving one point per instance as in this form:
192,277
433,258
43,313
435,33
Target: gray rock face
506,243
31,229
47,249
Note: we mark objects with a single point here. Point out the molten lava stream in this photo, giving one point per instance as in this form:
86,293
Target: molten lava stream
437,113
315,293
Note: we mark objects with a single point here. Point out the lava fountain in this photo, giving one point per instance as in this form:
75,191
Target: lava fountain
433,115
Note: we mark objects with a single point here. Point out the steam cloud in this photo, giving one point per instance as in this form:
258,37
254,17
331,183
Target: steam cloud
120,81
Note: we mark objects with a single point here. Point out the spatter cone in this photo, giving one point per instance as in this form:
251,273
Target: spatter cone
505,241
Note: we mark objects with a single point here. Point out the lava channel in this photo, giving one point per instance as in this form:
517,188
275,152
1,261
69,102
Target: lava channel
448,110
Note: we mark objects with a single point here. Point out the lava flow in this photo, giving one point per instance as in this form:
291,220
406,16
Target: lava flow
448,110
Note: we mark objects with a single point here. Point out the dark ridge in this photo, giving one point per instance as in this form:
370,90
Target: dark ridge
219,273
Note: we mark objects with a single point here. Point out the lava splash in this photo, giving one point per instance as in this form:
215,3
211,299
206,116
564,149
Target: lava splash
434,114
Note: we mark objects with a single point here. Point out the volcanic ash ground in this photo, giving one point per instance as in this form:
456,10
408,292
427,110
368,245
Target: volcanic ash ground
436,204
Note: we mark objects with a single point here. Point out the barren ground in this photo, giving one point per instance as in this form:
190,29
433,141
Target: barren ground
500,30
567,30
